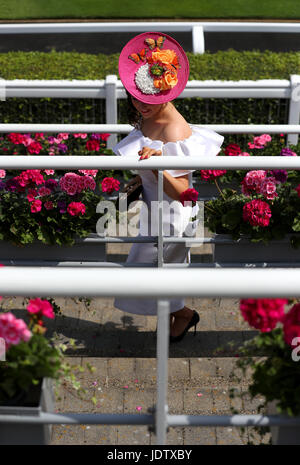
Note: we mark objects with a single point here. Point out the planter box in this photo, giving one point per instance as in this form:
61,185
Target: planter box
283,435
244,251
29,434
83,250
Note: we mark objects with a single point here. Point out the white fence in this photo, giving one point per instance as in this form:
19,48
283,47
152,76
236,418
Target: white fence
111,89
228,282
196,28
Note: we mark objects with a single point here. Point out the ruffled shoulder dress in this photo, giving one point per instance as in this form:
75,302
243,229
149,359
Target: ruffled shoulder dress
203,142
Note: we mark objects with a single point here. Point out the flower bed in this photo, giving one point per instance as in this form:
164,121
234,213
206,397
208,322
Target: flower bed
263,145
267,208
52,206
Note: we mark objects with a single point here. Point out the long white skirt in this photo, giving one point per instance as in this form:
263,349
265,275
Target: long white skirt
147,253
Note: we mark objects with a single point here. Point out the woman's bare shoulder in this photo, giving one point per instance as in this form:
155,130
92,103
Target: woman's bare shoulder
175,131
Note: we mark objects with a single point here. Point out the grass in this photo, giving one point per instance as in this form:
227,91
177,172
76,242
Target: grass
150,9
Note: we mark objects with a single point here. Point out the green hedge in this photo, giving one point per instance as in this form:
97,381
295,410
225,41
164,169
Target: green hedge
228,65
223,65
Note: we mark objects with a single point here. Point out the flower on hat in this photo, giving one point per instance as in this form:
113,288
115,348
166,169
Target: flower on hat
158,71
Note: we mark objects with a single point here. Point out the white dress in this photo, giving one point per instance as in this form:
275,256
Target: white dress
202,142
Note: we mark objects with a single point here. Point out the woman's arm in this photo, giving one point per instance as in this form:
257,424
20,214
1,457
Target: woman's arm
173,187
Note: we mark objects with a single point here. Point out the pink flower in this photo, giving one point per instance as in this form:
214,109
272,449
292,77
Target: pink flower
32,193
44,191
34,147
40,307
63,136
49,172
30,177
89,172
92,145
39,135
16,138
81,135
291,324
76,208
89,183
2,174
49,205
189,195
27,140
252,181
260,141
104,136
244,154
13,330
109,185
257,213
36,206
71,183
232,150
268,188
211,174
263,314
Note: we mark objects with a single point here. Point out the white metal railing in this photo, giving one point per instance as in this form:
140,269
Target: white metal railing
196,28
111,89
228,282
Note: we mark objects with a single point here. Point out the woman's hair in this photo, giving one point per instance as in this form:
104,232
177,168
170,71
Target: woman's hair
134,117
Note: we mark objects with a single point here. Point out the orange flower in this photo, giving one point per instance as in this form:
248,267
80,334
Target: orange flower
165,56
170,79
167,81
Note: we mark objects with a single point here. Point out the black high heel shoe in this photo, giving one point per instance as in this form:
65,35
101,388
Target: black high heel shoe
194,321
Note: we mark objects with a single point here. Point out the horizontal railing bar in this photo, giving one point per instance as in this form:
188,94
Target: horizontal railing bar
263,88
79,419
234,420
147,419
95,84
176,26
126,128
98,264
159,282
132,163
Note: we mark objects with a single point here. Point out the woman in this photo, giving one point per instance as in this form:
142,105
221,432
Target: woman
154,70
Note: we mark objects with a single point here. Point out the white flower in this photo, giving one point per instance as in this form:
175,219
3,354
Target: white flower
144,80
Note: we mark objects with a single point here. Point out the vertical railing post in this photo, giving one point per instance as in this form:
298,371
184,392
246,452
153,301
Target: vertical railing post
162,355
198,39
160,257
294,111
111,106
162,335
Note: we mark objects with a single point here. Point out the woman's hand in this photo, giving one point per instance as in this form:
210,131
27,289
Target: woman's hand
146,152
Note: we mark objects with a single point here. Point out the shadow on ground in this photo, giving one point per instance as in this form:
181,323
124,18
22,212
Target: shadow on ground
111,340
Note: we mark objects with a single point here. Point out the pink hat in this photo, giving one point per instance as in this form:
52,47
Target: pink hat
153,68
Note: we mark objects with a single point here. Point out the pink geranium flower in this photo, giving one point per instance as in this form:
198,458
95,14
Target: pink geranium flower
263,314
291,324
257,213
2,174
109,185
34,147
92,145
13,330
36,206
49,205
76,208
211,174
189,195
40,307
89,172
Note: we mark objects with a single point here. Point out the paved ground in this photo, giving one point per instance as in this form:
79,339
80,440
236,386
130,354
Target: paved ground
122,348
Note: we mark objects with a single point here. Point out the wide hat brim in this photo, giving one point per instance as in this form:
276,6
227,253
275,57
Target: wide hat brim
128,68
